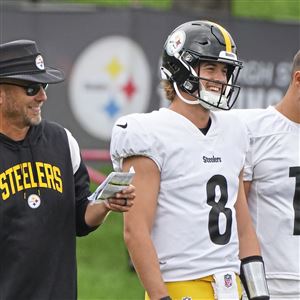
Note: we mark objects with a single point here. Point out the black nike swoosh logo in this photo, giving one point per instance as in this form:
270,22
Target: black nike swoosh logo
122,125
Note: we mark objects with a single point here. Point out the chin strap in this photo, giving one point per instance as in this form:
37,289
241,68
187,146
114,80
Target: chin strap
193,102
253,277
208,99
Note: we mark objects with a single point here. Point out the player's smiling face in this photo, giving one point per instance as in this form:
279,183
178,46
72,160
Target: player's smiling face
216,75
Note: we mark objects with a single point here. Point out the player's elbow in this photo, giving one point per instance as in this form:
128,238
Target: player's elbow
134,233
129,234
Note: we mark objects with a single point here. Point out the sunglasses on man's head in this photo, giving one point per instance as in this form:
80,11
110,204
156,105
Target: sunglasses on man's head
31,89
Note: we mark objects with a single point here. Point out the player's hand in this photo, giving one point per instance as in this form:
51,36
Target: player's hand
123,201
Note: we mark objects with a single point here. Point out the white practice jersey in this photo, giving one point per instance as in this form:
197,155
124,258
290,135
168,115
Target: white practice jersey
194,231
273,166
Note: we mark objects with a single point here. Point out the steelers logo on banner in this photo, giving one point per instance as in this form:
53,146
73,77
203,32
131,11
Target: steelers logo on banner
110,78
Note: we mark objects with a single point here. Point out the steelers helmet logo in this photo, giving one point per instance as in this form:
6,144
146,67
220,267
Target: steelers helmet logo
34,201
175,42
39,62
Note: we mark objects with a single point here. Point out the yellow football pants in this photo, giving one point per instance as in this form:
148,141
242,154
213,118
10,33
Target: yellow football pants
198,289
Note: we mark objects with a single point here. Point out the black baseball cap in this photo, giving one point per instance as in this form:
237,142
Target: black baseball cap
21,60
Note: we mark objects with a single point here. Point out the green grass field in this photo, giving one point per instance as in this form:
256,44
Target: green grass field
103,271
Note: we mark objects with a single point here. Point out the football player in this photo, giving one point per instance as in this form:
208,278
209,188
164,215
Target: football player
272,183
190,224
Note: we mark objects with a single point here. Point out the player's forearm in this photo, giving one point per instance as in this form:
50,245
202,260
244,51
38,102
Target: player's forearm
248,241
249,244
145,261
247,186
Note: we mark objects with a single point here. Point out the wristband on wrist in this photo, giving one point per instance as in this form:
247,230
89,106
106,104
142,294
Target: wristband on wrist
253,277
166,298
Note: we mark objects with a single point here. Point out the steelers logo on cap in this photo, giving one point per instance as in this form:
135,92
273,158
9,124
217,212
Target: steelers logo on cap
39,62
34,201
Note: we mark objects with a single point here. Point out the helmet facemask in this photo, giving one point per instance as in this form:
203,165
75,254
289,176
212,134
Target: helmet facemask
195,83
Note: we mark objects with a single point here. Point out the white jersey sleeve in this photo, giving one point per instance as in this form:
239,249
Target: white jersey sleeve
246,115
273,167
74,151
131,136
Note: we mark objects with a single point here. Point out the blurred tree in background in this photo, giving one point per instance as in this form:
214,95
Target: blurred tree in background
158,4
283,10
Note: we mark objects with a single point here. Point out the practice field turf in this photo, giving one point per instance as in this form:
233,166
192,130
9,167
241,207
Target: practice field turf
103,271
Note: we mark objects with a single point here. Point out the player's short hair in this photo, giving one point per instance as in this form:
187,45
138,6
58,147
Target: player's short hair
296,63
